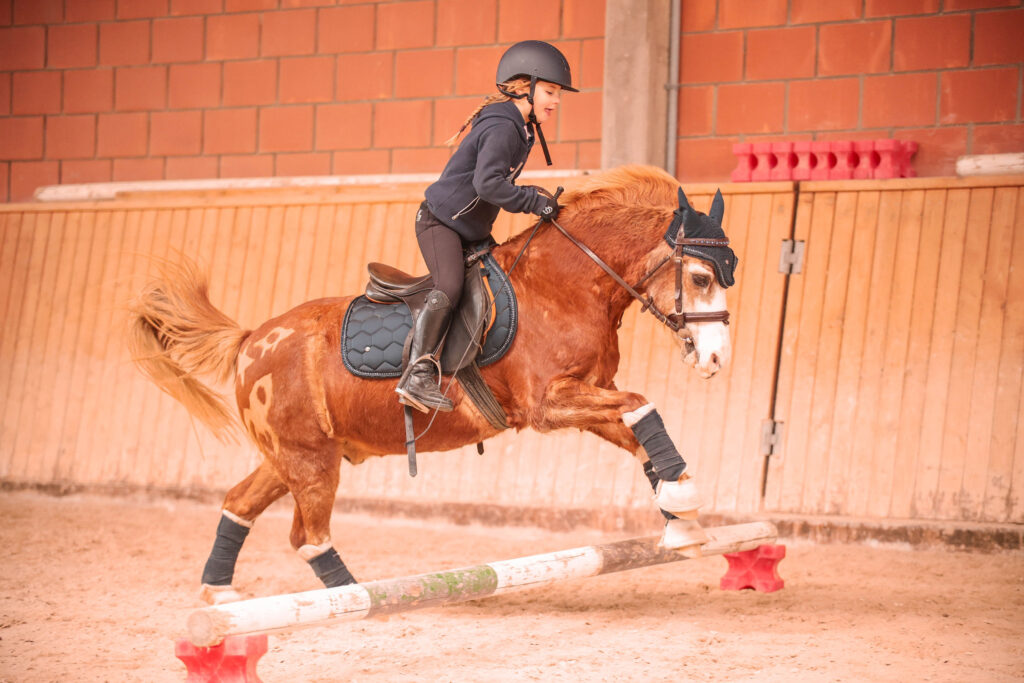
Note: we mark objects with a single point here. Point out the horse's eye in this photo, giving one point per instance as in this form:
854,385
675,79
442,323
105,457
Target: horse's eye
701,281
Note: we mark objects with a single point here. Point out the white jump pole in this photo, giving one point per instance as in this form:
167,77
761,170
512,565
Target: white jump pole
209,626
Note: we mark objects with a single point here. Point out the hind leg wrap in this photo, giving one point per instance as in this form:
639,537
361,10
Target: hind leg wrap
327,564
231,533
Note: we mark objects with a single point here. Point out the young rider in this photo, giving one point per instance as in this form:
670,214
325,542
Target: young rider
478,181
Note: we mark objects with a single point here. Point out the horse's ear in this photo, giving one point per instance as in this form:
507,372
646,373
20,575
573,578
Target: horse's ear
683,204
717,212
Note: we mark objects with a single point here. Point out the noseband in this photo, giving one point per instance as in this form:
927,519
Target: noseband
679,318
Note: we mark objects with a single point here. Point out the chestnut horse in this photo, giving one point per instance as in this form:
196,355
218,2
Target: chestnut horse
306,412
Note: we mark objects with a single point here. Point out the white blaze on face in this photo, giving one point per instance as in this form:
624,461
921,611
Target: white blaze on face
710,341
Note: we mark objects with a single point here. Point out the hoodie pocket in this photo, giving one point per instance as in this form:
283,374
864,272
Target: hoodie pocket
467,208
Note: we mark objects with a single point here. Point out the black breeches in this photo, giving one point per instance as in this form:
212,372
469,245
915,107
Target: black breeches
442,250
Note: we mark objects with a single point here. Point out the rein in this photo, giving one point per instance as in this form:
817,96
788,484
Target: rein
679,318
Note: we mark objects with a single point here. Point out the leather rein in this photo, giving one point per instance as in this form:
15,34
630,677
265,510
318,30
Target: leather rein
677,319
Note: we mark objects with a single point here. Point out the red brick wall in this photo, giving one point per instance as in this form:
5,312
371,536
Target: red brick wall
946,73
98,90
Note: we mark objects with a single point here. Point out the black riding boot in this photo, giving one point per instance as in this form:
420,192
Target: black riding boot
418,386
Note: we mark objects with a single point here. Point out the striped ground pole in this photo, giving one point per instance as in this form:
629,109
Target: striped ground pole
210,625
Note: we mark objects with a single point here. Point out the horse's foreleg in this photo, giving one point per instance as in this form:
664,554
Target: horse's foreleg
242,505
628,420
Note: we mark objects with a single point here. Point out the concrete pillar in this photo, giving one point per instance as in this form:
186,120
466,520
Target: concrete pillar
635,100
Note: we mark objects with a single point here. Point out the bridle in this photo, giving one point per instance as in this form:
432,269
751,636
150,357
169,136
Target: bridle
679,318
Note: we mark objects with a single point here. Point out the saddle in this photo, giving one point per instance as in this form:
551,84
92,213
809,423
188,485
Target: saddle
464,342
377,325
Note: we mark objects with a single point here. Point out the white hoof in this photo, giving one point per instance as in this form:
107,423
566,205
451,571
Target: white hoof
684,535
681,498
218,595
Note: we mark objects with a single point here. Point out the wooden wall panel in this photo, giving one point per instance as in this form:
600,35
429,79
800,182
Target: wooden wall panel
899,381
902,338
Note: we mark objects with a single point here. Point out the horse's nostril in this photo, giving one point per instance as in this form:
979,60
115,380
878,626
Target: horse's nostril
715,361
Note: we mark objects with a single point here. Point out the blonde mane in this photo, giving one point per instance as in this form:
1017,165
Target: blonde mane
632,185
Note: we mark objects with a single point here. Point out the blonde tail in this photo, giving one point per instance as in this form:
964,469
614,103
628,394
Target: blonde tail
177,334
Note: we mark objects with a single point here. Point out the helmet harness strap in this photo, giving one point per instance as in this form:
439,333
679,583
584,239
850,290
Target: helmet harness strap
533,122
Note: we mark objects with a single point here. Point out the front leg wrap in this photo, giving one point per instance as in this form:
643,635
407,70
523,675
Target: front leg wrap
674,493
649,430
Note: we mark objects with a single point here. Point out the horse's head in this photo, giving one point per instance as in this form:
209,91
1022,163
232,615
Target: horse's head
680,274
694,287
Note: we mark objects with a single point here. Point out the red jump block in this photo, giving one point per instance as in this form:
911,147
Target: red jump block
823,160
757,569
233,661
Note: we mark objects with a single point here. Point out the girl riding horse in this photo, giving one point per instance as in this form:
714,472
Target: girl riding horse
478,180
306,413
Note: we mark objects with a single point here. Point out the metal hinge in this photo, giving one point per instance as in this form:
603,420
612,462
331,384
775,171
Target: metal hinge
791,257
771,437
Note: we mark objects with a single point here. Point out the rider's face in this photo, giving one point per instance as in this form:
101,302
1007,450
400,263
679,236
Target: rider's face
546,98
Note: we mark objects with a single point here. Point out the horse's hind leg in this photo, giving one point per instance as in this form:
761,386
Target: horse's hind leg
242,505
312,478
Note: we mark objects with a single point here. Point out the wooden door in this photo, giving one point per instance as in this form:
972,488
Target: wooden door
903,346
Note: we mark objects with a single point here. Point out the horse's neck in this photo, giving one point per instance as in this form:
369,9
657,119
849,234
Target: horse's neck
555,260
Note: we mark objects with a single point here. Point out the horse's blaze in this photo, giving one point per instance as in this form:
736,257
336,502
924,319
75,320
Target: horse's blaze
708,349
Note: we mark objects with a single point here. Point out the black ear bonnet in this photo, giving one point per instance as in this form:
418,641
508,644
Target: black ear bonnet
699,226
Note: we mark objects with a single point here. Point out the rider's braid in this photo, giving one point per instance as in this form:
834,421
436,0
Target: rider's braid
516,85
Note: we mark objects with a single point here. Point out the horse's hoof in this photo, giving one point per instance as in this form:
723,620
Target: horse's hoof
218,595
684,535
681,498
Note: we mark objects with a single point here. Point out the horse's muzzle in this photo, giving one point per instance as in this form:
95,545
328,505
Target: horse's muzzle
708,363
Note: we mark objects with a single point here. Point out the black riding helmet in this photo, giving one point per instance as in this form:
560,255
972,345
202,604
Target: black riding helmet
539,61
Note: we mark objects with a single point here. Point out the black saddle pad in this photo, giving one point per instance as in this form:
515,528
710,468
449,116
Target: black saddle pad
373,334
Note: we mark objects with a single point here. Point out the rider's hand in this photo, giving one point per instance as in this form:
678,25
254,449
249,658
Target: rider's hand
549,208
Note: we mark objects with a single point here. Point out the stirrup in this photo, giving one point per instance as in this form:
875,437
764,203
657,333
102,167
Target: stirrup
423,404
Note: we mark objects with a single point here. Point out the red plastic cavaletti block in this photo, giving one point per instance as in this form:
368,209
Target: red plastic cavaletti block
757,569
744,162
233,661
805,161
846,160
765,161
867,159
785,161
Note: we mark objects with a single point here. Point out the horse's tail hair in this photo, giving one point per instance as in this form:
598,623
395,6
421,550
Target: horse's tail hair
177,335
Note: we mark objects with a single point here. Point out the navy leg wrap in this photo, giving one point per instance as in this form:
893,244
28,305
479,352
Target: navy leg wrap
653,478
650,432
331,570
220,567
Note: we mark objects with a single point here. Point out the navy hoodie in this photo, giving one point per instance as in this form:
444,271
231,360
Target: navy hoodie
479,178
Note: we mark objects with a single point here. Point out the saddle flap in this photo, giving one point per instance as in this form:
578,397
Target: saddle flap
466,333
